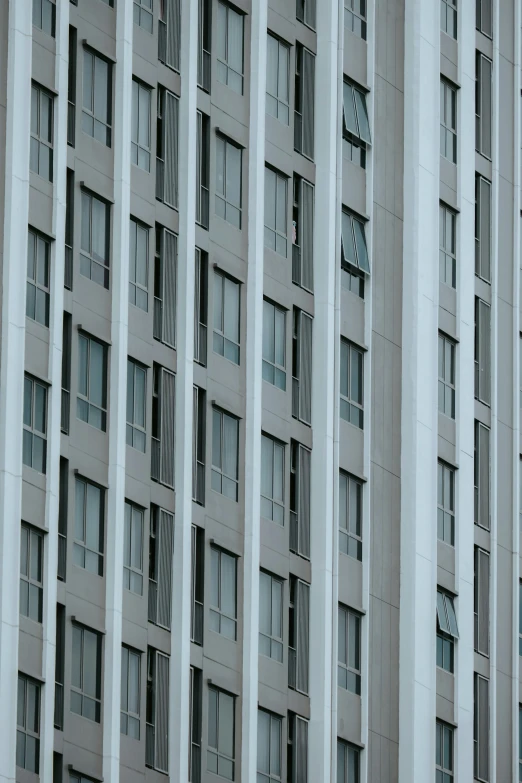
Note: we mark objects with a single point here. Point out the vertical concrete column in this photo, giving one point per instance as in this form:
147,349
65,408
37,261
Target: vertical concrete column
419,418
325,357
14,253
465,392
181,593
254,384
117,394
55,397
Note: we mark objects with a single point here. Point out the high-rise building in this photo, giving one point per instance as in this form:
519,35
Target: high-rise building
260,391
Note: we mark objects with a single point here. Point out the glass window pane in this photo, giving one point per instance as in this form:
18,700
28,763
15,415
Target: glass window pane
266,466
271,65
216,438
90,650
235,40
101,83
212,718
96,374
28,402
93,537
40,397
230,446
268,331
265,604
263,742
87,80
284,59
76,676
226,724
233,175
220,165
228,585
270,198
231,310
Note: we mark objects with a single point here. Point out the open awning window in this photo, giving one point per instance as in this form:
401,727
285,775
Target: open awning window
353,240
446,616
355,113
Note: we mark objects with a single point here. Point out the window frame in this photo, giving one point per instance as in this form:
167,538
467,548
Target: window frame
447,352
357,136
447,246
277,505
48,4
135,227
81,548
34,251
139,145
131,571
480,117
216,612
272,312
89,112
448,120
351,532
129,717
276,231
447,631
217,470
488,32
136,433
274,639
30,433
343,773
37,140
85,398
31,538
142,9
350,11
272,775
448,8
446,505
356,241
280,103
23,723
79,690
98,267
220,332
344,667
215,751
223,65
443,730
222,197
354,406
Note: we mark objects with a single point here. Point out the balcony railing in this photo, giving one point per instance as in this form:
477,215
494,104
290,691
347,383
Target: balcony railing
155,459
197,622
153,601
296,264
292,668
65,416
298,131
62,556
160,179
204,70
157,323
294,533
195,763
149,745
68,272
202,208
71,123
58,706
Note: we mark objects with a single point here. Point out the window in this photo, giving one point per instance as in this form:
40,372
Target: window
167,148
276,187
481,602
195,720
481,728
297,748
204,44
448,17
305,12
63,503
230,47
133,549
35,425
86,673
38,265
446,376
349,651
161,548
226,317
143,14
483,98
270,617
59,667
94,251
356,127
88,527
140,135
269,740
92,382
298,635
199,420
350,516
448,121
304,100
200,307
202,169
446,503
136,405
277,79
69,231
348,763
28,725
483,228
157,711
302,366
97,97
65,413
354,254
355,17
163,438
272,479
130,692
139,265
31,569
71,86
197,584
228,181
165,286
483,351
169,33
484,17
44,16
481,472
303,234
300,459
41,152
352,374
447,246
520,618
225,433
223,598
221,732
520,742
444,753
447,631
274,338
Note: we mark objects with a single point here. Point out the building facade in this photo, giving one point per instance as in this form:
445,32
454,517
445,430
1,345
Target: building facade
260,441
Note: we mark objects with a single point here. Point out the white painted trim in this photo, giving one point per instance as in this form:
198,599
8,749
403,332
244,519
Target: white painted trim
18,116
115,521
